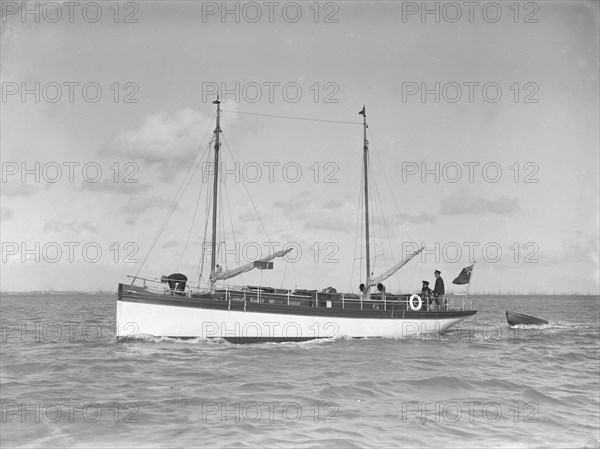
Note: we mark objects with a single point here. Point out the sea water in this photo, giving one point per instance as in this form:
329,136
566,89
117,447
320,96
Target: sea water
67,383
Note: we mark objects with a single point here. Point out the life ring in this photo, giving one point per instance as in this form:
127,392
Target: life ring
375,306
412,304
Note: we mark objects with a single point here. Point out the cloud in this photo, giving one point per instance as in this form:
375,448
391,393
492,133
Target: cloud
170,244
15,189
139,204
395,225
337,215
73,226
462,203
167,142
422,217
108,185
333,204
5,214
328,223
297,207
318,214
580,248
249,216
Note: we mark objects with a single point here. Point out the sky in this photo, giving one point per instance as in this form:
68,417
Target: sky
482,128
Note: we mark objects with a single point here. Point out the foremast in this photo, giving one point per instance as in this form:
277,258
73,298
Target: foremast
367,290
213,258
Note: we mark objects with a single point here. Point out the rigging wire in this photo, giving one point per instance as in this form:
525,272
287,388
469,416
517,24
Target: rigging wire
385,227
363,230
414,271
294,273
231,223
191,226
207,208
293,118
247,191
359,230
389,185
175,201
188,177
395,202
281,117
375,214
284,273
221,223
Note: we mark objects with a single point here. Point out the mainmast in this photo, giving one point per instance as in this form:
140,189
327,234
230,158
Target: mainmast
213,258
366,167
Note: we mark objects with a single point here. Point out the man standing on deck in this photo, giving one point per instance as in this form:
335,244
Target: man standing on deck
438,290
176,282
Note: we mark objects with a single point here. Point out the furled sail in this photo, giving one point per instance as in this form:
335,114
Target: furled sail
249,266
388,273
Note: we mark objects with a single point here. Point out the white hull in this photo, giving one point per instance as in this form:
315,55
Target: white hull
135,319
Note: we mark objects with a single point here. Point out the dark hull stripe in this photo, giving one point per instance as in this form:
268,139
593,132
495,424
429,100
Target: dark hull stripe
281,309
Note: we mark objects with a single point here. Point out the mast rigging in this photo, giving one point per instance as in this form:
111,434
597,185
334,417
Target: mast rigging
365,162
213,258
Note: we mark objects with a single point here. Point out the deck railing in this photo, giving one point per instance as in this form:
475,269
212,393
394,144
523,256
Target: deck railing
340,300
157,286
289,297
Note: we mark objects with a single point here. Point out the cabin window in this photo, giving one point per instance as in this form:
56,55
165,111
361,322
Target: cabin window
329,304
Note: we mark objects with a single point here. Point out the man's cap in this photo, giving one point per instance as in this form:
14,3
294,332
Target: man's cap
164,278
437,272
426,282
